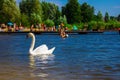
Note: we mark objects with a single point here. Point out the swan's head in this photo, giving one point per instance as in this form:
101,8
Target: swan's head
29,35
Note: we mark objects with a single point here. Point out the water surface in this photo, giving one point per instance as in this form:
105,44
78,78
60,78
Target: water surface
78,57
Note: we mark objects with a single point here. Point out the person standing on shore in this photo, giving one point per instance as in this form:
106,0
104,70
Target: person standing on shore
31,28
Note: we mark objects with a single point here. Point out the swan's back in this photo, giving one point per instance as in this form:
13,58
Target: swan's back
43,49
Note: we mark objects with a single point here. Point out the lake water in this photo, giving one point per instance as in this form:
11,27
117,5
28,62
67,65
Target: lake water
78,57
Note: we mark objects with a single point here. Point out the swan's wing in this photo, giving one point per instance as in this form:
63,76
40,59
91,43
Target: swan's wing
41,49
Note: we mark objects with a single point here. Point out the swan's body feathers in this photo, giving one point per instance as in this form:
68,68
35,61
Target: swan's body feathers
43,49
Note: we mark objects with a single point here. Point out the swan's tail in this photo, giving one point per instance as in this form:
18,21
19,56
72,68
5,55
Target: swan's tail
51,50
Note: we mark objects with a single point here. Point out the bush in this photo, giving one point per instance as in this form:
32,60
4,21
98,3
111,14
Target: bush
93,25
69,26
118,25
49,23
101,25
112,24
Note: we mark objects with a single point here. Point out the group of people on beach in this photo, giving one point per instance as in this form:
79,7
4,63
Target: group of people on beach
10,28
42,27
14,28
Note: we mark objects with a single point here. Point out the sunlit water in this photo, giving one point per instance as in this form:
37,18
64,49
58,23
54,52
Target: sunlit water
78,57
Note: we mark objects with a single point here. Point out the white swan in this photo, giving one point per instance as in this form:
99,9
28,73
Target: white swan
43,49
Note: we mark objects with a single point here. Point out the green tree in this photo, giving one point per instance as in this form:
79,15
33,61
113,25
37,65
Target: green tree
72,11
113,18
25,20
112,24
87,12
9,11
93,25
63,10
99,16
36,18
118,18
33,9
63,20
50,11
107,18
101,25
49,23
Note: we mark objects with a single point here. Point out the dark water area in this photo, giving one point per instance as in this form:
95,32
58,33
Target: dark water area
78,57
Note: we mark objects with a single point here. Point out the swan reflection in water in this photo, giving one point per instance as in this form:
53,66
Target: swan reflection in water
40,64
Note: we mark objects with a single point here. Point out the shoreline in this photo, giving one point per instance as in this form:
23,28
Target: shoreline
68,32
52,32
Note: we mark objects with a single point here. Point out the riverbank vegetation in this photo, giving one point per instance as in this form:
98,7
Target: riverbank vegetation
73,15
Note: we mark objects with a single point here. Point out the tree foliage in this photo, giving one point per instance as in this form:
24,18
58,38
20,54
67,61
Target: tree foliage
49,23
72,11
118,18
107,17
87,12
62,20
99,16
9,11
33,9
93,25
24,20
50,11
37,11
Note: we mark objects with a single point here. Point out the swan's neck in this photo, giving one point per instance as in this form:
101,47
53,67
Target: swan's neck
32,45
